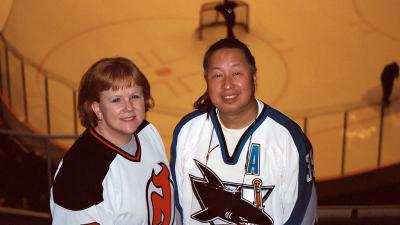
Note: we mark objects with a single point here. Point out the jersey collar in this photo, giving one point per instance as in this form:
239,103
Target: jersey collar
243,139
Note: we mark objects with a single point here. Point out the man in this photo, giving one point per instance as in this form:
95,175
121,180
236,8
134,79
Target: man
227,11
236,160
389,74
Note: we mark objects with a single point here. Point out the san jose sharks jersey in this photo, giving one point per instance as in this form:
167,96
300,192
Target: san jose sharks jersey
99,183
268,178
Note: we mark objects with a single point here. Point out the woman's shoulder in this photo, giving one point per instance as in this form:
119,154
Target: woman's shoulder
78,183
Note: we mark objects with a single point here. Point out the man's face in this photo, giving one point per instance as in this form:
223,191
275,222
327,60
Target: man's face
230,83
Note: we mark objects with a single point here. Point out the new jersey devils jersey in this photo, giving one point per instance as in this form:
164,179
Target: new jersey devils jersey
98,182
268,178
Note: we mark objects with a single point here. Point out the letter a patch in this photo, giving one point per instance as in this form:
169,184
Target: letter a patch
253,160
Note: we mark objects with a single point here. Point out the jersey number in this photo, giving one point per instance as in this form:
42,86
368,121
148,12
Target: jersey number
310,166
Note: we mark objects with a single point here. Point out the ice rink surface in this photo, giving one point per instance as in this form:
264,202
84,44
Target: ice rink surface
315,59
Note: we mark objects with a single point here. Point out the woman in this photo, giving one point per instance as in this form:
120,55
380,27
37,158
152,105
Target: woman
117,171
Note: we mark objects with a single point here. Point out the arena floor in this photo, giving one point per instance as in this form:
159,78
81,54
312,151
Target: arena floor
313,58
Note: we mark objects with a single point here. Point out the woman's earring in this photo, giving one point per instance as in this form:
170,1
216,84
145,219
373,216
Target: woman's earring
99,117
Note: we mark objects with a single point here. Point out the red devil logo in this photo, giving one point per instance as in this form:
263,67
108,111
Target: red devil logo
161,197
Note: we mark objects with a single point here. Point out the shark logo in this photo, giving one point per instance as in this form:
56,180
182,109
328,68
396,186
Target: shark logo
224,201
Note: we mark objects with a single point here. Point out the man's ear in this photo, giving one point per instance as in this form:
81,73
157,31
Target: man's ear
96,109
255,79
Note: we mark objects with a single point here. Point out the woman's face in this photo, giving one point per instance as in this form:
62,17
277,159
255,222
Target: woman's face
120,112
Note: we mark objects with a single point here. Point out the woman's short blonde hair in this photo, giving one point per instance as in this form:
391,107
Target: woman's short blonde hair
114,73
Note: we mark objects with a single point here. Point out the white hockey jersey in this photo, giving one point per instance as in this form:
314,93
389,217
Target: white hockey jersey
269,178
99,183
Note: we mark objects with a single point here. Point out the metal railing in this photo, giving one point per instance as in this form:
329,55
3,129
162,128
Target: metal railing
20,94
